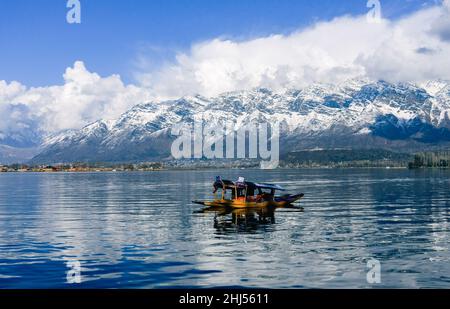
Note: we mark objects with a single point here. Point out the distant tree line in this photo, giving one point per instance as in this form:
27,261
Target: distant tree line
439,159
84,166
341,158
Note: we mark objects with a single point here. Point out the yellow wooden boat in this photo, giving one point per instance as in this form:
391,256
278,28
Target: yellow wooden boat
244,194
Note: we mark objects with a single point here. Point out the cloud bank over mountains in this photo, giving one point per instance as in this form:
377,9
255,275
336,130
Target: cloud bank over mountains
415,48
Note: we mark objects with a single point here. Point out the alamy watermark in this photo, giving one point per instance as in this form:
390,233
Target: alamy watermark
227,140
74,273
374,15
374,273
74,14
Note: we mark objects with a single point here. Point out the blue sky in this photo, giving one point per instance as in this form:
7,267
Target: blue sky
37,45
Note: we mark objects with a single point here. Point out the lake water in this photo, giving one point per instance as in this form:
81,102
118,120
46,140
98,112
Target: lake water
140,230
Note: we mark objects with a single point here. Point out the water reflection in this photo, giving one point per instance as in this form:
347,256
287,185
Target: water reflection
140,230
250,220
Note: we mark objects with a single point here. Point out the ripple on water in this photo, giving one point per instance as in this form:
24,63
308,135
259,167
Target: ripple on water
140,230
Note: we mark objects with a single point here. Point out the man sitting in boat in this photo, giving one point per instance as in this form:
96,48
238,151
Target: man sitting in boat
247,192
241,189
218,184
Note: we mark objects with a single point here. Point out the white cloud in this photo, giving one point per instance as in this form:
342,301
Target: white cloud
9,91
85,97
415,48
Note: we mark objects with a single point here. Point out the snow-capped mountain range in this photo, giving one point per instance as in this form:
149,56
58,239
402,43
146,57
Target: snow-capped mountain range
357,114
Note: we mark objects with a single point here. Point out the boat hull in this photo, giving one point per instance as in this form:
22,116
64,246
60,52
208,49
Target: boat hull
277,202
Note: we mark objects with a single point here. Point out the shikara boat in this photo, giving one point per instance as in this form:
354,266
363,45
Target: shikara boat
244,194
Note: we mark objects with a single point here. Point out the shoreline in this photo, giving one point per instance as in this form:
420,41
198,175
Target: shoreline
129,169
216,169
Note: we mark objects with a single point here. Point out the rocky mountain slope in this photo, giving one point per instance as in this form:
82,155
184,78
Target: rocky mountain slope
357,114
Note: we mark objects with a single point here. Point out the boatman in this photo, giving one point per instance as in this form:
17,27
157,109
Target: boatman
218,184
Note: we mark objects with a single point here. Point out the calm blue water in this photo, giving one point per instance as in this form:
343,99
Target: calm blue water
140,230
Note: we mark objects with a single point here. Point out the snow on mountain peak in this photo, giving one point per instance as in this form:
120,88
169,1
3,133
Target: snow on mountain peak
434,87
357,108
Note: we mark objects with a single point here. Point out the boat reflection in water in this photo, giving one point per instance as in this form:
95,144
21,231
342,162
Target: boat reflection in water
245,220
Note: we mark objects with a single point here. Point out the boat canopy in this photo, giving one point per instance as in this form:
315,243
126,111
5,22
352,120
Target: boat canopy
269,186
228,184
